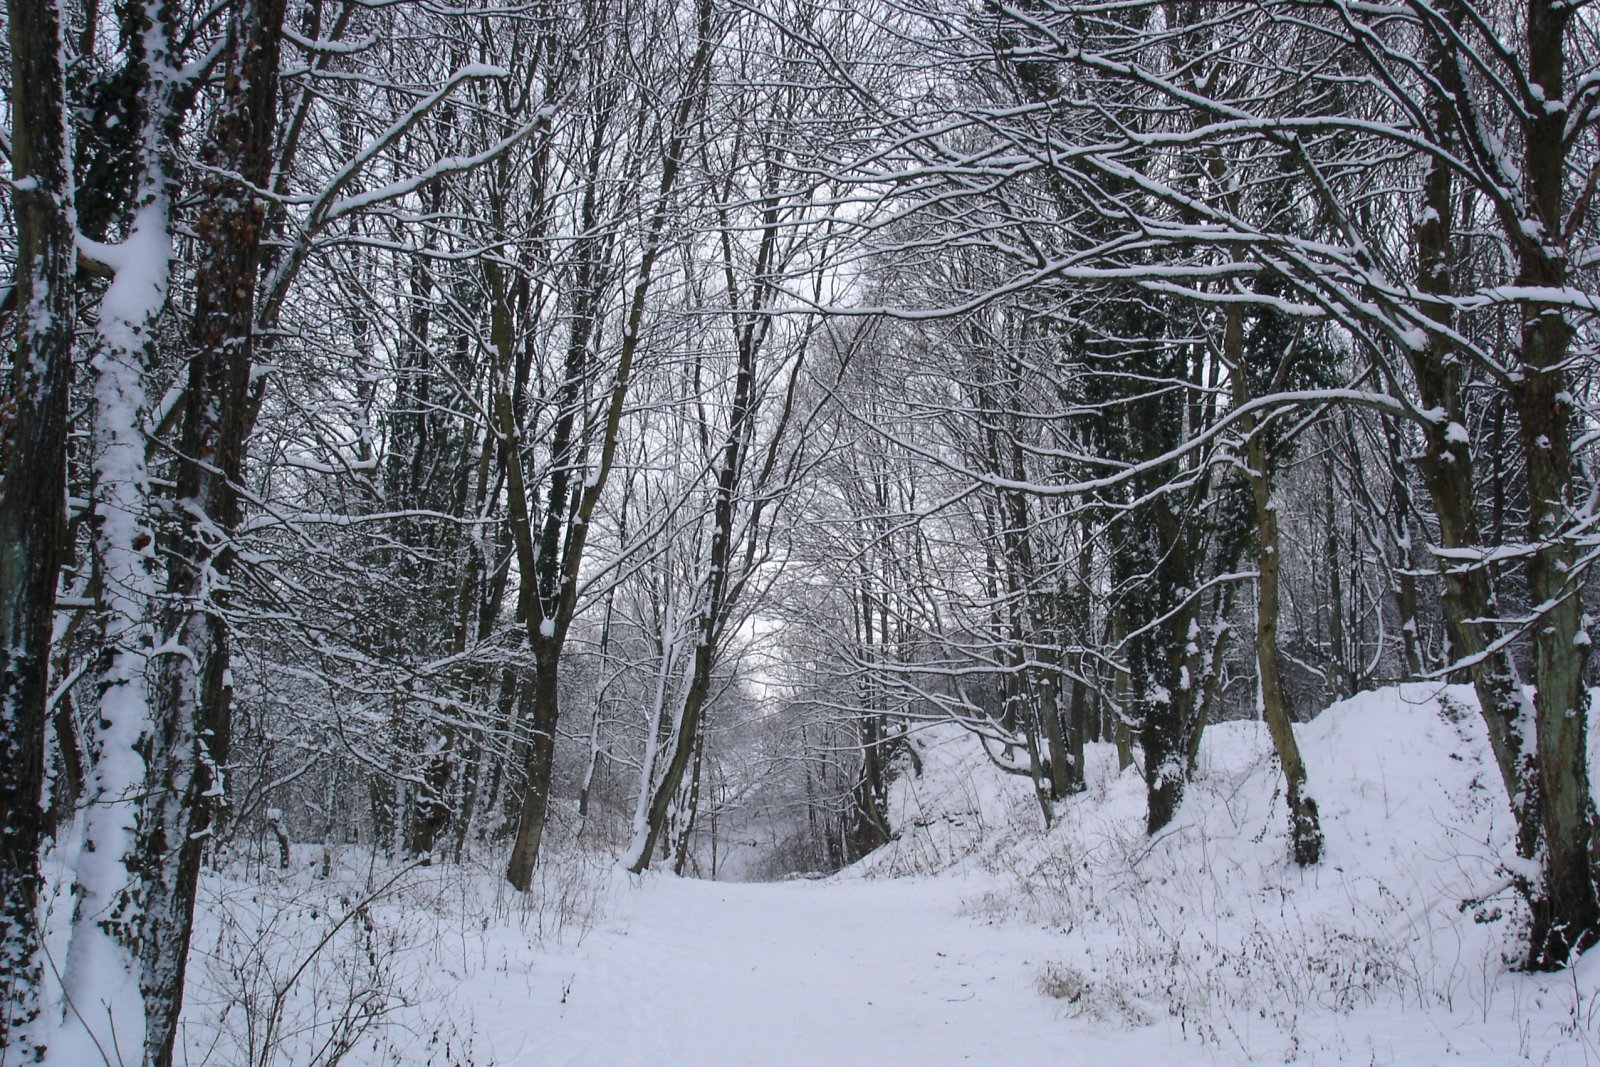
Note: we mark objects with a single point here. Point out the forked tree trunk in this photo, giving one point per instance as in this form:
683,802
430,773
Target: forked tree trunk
551,577
1538,749
1469,603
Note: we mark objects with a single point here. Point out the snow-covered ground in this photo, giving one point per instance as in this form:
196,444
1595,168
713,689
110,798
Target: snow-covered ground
801,973
976,938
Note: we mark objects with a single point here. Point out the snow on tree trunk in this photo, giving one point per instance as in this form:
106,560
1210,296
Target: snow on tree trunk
1567,907
33,431
102,956
637,855
193,692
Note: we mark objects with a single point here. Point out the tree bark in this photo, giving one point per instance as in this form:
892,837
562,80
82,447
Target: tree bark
1305,832
194,692
538,770
692,811
33,436
1566,912
550,577
1470,608
1157,657
713,616
1399,519
1122,690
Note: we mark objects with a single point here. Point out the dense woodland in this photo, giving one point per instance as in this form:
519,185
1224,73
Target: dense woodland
460,429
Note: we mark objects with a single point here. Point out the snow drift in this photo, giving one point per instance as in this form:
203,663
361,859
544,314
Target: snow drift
1398,948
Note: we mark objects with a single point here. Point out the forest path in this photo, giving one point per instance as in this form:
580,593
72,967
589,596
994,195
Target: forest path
825,974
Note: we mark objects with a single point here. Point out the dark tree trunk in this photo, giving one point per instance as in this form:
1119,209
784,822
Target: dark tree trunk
538,770
1162,702
193,695
1399,519
431,811
33,434
1305,831
1469,602
713,615
1121,706
869,819
691,811
1566,911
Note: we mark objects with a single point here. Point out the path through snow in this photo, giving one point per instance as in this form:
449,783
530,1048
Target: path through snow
825,974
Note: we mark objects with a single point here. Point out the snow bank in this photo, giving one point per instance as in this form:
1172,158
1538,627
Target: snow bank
947,806
1397,948
346,958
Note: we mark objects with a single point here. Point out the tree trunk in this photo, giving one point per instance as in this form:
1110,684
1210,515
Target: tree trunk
1074,724
1405,592
692,810
33,454
1122,688
1338,682
538,771
1305,832
1566,911
1469,603
194,691
869,827
551,577
111,874
430,812
682,742
1157,657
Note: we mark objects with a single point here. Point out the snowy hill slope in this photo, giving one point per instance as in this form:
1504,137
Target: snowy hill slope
1395,949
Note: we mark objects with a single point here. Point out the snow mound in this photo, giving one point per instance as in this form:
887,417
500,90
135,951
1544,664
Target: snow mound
347,958
947,803
1397,948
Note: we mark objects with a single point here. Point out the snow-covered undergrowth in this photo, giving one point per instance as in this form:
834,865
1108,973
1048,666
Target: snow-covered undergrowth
344,958
1398,948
